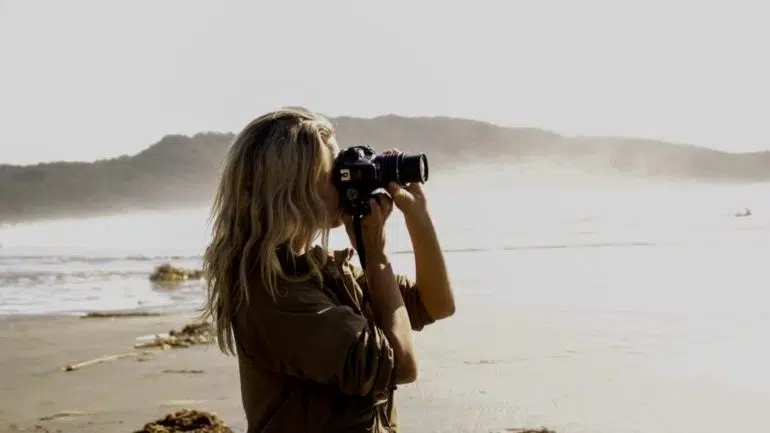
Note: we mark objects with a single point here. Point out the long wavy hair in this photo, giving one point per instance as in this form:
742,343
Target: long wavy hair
268,197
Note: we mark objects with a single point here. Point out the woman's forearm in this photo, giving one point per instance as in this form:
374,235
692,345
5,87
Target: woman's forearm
432,276
391,315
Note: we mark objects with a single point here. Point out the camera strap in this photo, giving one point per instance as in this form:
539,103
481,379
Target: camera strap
359,233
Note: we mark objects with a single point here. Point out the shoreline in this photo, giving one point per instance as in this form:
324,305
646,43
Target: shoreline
104,314
161,310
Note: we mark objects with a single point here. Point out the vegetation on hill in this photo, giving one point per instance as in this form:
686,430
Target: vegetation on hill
181,170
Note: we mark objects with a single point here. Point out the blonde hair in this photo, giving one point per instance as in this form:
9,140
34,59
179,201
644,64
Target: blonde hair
268,196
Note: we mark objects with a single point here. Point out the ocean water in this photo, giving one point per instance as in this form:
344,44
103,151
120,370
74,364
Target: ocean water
657,265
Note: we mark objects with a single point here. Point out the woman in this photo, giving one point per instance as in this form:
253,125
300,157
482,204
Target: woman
313,355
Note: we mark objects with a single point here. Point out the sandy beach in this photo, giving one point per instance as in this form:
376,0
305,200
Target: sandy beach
489,372
116,396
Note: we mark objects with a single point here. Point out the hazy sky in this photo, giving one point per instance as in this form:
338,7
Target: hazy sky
81,80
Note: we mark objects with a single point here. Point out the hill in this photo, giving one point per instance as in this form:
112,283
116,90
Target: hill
181,170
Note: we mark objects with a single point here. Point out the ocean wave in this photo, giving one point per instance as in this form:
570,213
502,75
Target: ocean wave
38,277
547,246
588,245
52,269
84,259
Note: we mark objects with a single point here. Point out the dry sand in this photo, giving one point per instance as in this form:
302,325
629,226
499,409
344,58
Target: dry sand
482,371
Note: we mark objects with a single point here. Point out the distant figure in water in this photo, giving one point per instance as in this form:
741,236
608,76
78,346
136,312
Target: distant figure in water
746,212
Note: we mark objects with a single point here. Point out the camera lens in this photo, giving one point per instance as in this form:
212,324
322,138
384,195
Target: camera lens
402,168
413,168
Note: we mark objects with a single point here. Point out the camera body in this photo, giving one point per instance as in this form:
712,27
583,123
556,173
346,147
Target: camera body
359,171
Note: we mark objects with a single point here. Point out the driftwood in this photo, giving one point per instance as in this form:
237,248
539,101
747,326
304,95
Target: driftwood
108,358
191,335
64,414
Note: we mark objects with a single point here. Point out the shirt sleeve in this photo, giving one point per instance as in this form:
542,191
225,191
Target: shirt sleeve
418,315
307,335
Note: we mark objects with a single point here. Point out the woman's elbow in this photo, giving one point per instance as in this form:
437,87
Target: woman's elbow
446,310
449,311
407,370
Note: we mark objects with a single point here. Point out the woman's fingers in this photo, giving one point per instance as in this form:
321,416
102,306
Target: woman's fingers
380,205
394,189
415,188
386,205
374,219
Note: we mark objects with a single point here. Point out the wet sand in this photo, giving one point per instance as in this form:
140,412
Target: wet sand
116,396
486,370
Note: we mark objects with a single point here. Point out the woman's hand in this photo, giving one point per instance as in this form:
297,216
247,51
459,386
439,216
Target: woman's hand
372,226
410,198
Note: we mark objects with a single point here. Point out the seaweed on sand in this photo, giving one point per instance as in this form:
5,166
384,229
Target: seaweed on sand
166,273
187,420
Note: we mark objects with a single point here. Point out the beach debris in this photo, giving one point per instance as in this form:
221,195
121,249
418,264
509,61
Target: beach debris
166,273
191,335
118,314
79,365
196,333
182,371
151,337
187,420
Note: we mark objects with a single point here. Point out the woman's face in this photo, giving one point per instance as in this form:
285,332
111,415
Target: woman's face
328,191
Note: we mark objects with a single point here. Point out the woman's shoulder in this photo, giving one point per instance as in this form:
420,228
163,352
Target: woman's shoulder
302,286
337,263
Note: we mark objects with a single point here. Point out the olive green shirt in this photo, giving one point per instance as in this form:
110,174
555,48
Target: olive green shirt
313,359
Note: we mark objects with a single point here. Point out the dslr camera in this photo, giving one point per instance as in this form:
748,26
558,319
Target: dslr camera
359,171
